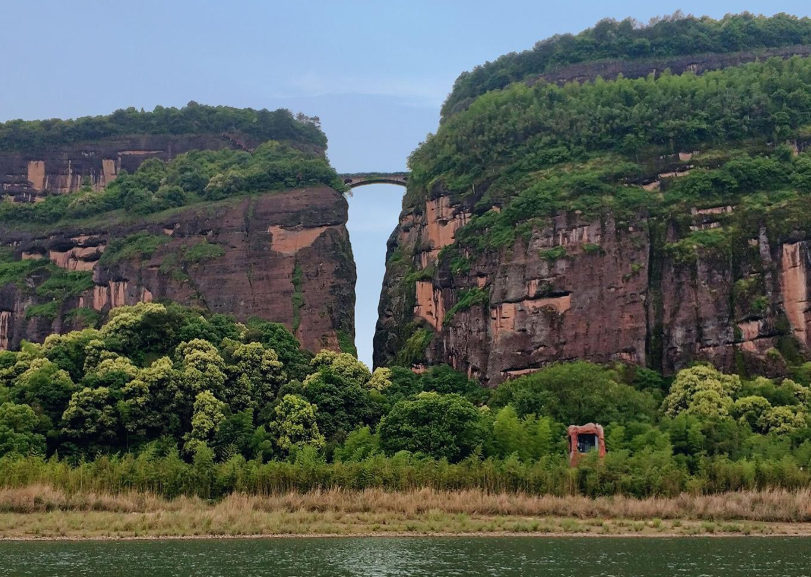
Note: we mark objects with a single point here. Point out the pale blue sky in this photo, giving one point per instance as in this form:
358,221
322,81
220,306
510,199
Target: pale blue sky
376,72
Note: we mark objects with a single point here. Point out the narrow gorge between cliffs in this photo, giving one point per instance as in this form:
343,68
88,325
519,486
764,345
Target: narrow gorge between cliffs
373,215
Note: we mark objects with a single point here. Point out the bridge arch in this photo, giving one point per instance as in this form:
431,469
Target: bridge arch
364,178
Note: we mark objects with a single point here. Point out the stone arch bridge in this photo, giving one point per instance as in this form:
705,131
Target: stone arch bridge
364,178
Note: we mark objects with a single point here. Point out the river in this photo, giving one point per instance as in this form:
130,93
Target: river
413,556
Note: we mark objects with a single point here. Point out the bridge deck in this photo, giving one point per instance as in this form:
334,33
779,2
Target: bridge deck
364,178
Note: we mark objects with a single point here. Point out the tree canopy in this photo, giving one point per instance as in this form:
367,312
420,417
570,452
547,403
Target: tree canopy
674,35
186,399
194,118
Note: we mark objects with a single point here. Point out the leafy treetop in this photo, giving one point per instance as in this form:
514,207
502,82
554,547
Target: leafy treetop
674,35
38,135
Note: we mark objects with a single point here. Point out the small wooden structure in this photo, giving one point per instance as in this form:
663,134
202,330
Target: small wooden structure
584,439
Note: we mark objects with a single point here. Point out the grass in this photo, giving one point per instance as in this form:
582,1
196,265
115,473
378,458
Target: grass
201,251
553,254
468,298
64,284
413,351
49,310
347,343
40,511
141,244
86,317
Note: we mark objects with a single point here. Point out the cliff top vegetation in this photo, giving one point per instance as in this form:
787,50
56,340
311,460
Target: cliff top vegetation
532,151
670,36
194,118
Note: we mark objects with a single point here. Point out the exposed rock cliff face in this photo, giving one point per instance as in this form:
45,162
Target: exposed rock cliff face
283,257
696,63
27,176
591,289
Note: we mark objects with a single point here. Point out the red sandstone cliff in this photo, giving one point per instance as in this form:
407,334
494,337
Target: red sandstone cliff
283,257
615,294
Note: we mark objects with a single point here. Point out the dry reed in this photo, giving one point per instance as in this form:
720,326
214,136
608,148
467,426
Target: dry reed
761,506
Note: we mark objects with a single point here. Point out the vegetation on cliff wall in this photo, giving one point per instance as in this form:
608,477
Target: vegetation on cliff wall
41,280
627,40
194,177
260,125
534,152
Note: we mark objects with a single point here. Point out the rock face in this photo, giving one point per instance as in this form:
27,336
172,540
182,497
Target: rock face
27,176
283,257
597,290
696,63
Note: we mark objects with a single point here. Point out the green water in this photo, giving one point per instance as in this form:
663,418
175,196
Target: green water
435,557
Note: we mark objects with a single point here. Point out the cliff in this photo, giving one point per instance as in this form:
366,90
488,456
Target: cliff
282,257
596,290
236,211
655,221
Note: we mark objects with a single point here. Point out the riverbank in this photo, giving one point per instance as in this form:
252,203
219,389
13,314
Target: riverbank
41,512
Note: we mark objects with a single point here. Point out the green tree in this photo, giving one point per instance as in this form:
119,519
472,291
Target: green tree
202,368
136,329
136,411
165,406
235,436
528,438
380,380
209,413
254,375
68,350
750,410
359,445
18,426
96,351
113,373
441,426
275,336
295,424
90,418
784,420
703,391
445,381
575,393
45,387
344,402
508,435
343,365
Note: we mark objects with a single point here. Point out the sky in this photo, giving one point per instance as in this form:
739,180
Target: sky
375,72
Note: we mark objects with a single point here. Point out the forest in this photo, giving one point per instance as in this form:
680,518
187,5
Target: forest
194,118
670,36
176,401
